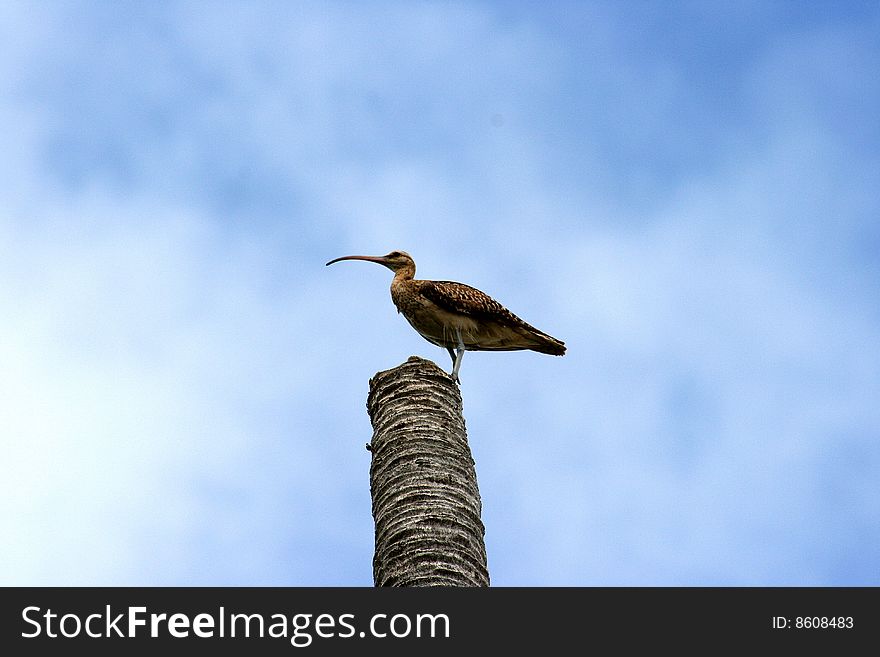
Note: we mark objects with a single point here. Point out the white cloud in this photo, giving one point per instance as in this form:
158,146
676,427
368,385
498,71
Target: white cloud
147,384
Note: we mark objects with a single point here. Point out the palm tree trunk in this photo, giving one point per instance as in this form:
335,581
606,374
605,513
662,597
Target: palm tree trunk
426,503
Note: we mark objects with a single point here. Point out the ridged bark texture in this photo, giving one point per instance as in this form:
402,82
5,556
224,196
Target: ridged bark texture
426,503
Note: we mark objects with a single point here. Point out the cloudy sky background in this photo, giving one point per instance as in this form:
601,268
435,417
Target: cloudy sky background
687,193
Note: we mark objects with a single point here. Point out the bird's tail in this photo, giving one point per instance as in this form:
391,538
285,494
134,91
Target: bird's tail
546,344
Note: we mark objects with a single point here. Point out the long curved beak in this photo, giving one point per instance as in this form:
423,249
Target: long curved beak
378,259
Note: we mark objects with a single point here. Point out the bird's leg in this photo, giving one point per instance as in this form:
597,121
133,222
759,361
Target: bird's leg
459,354
453,353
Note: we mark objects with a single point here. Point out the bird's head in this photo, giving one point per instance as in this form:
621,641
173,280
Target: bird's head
395,261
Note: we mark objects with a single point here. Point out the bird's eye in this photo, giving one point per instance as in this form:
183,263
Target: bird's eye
394,254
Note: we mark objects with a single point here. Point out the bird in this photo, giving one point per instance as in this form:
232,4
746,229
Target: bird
455,316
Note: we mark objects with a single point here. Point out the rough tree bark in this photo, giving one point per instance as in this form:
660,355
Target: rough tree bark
426,503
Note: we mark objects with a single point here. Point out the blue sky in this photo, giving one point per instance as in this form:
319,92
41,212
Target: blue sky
686,193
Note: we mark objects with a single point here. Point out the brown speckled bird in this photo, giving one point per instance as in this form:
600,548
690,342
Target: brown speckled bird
456,316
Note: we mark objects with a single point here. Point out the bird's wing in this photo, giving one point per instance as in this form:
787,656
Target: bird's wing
466,300
469,301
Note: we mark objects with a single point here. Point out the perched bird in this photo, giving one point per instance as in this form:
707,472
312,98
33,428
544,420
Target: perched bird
456,316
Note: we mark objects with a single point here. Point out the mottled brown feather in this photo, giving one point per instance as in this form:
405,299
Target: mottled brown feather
461,298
